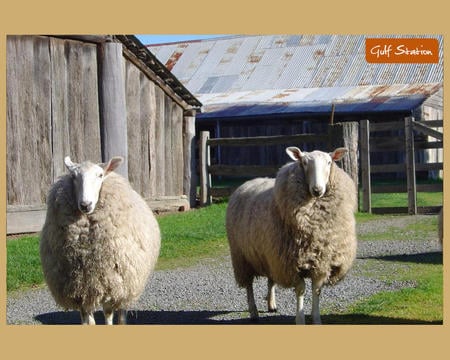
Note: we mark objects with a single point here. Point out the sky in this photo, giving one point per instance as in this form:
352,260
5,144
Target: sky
151,39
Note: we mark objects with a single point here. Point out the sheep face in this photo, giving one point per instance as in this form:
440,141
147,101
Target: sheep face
317,166
87,180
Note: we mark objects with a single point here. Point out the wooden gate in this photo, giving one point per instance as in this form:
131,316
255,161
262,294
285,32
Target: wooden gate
407,144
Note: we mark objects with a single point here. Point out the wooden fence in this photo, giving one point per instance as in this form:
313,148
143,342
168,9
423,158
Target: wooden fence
403,143
338,135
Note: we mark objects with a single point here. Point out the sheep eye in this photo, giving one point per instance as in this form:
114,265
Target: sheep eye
100,175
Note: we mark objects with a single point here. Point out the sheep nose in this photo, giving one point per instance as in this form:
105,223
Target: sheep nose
85,206
316,191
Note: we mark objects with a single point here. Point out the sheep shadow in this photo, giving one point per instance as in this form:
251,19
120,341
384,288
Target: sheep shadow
431,258
210,318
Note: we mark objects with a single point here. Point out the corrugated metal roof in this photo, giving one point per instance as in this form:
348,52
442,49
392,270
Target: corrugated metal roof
298,69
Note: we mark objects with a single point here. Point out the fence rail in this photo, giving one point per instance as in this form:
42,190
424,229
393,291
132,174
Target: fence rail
338,135
410,167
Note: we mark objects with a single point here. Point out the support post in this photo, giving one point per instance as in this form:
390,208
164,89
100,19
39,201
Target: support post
346,135
190,175
205,177
113,113
410,166
365,166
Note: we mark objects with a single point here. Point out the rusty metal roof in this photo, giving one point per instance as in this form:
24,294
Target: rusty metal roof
294,70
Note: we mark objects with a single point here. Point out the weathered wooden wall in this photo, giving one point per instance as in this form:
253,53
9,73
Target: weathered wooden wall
54,100
52,104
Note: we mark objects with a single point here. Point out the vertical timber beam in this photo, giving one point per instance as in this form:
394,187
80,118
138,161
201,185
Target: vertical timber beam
205,177
365,166
410,166
113,104
190,174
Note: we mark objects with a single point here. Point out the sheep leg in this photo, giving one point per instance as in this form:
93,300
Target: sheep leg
316,289
252,309
272,305
87,318
109,314
122,317
300,292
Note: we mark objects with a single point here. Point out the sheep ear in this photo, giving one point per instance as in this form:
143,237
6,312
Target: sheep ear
294,153
112,164
338,154
71,166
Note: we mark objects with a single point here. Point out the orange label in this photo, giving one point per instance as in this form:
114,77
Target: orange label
384,50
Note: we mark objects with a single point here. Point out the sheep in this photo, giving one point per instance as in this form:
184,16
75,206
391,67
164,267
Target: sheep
299,225
99,243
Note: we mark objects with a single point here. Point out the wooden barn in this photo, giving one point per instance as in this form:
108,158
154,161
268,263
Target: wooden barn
93,97
298,84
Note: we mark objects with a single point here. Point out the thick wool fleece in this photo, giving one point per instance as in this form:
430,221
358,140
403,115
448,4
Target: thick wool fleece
278,230
101,258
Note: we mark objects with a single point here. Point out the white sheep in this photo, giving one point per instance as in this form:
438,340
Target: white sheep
299,225
99,243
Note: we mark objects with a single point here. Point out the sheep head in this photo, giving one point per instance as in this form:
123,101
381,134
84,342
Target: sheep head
88,179
317,167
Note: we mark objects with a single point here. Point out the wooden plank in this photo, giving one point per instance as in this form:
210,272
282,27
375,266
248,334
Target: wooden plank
113,104
420,127
243,170
432,123
190,174
75,102
25,220
134,133
423,210
28,125
177,149
430,187
429,166
148,128
389,210
204,163
387,144
268,140
384,189
168,158
365,165
160,163
166,204
386,126
387,168
220,192
419,145
410,166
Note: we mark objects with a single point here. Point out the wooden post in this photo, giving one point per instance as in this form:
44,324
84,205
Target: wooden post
346,135
205,177
113,105
190,175
410,166
365,166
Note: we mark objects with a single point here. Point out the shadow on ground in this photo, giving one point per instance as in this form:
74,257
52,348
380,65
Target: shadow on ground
422,258
215,318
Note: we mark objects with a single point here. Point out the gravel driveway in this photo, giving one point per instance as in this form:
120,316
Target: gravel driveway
207,294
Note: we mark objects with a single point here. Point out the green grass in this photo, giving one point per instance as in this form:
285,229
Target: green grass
421,304
23,263
188,237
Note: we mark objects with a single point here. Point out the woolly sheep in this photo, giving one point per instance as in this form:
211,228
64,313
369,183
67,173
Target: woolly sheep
299,225
99,243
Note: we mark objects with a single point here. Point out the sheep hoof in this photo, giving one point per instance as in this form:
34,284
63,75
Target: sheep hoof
273,310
